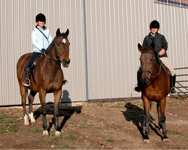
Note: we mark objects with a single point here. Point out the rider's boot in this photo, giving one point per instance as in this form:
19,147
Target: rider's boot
172,84
26,82
139,86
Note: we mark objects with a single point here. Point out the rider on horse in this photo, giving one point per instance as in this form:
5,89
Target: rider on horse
41,39
161,46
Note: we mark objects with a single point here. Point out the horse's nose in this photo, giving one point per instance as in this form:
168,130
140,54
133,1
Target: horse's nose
145,80
66,62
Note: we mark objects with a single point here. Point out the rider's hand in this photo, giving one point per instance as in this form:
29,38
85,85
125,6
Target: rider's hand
43,50
162,51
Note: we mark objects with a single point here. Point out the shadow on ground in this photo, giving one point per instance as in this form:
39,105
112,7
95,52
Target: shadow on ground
65,110
136,115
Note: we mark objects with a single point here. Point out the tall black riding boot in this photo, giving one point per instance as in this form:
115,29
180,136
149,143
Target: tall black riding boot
27,72
172,84
139,86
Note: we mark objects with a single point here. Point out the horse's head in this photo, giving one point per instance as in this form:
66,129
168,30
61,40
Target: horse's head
147,62
62,47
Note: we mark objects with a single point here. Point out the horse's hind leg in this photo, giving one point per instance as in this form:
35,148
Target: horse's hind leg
31,99
147,107
161,117
57,97
23,93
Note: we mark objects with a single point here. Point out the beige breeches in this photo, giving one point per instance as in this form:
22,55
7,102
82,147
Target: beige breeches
166,62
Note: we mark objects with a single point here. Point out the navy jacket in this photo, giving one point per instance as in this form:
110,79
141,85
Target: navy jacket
159,41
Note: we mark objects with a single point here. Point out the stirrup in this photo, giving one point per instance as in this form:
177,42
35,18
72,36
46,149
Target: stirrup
26,83
172,90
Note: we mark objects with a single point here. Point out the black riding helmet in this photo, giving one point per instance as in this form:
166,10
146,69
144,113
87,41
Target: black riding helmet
154,24
40,17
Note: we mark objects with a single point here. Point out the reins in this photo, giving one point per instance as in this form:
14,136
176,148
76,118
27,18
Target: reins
58,61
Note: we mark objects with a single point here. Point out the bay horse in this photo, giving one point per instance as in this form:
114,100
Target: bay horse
47,78
157,87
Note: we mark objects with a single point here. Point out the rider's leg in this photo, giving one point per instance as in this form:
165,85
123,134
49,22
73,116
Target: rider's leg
166,62
27,69
138,88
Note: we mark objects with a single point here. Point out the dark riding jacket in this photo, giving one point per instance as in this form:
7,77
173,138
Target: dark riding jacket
159,42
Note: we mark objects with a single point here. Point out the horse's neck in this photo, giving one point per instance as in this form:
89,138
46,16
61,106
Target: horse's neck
157,66
50,61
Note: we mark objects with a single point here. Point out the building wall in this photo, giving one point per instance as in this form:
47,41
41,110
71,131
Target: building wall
113,30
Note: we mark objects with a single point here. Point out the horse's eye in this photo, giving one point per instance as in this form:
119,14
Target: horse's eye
152,59
64,41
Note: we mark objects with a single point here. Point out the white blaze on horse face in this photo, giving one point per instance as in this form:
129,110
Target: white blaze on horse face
64,41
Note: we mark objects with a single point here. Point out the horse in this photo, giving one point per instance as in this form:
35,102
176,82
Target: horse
156,87
47,77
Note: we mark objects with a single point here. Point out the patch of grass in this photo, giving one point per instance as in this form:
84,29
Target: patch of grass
82,126
64,146
110,140
8,123
99,104
56,137
37,130
102,128
118,105
70,137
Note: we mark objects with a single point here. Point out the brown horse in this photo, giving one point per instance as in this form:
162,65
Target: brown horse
47,78
157,87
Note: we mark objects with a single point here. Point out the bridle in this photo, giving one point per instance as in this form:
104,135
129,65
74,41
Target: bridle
151,72
57,60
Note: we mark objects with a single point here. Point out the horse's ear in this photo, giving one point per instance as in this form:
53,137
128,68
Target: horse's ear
140,48
58,33
67,32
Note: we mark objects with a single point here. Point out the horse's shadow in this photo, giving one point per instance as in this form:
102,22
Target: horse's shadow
136,115
64,110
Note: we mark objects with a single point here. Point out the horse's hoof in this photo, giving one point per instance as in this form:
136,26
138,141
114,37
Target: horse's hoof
32,120
146,140
26,123
31,117
57,133
166,140
26,120
45,133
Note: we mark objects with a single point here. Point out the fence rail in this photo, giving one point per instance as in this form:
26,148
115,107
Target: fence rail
181,83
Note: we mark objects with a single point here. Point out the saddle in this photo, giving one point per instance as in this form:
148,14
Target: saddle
34,65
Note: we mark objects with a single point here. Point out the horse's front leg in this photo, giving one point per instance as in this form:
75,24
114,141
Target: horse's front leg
161,117
23,93
31,99
42,95
147,107
57,97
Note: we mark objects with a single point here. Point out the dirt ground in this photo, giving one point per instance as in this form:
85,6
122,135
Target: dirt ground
96,125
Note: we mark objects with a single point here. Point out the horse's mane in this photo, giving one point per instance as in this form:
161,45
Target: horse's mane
49,47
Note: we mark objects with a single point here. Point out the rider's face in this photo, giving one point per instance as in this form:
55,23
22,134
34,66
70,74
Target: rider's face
41,23
154,30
